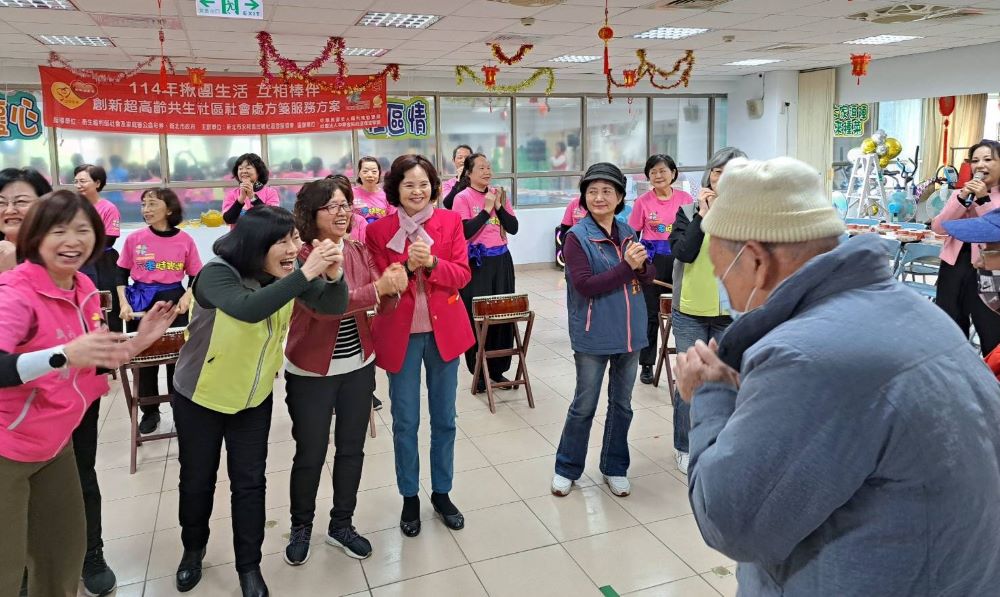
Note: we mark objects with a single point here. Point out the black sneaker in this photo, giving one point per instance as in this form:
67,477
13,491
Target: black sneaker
350,541
376,403
502,379
646,375
297,552
97,578
149,422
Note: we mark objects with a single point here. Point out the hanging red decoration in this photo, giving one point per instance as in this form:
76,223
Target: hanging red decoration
946,107
334,48
647,70
859,65
490,75
543,108
85,73
510,60
606,34
631,77
197,76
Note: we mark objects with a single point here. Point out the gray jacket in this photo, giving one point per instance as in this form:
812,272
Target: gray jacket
860,454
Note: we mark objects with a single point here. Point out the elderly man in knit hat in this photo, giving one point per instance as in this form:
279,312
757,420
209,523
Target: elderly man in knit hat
845,435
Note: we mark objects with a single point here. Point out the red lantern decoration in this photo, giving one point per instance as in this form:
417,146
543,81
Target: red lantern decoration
859,65
606,34
490,75
631,77
946,106
197,76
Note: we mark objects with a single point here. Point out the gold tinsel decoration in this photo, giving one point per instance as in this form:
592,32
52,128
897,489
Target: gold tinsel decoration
463,72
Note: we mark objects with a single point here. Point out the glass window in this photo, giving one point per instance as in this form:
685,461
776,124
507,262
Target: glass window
387,150
680,129
548,134
721,124
125,157
33,153
209,157
199,200
903,120
616,132
307,156
547,190
482,123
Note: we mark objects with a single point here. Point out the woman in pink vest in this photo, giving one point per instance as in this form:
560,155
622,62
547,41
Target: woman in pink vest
958,283
252,174
426,325
55,339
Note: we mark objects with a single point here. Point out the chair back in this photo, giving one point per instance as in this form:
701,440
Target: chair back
864,221
922,253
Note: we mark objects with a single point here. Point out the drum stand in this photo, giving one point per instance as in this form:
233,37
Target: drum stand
520,350
133,401
666,322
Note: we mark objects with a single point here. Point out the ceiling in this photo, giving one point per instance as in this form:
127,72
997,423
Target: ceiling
300,27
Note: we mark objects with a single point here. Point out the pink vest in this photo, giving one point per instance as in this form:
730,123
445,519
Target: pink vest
37,419
954,210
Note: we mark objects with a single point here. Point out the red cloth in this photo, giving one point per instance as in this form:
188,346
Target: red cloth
391,327
993,360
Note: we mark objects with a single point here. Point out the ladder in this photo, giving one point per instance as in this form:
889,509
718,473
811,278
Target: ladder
866,190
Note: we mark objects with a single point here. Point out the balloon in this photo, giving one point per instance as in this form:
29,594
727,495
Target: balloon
879,136
882,150
894,146
855,154
868,146
884,161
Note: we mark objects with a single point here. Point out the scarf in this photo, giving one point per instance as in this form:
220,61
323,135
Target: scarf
411,228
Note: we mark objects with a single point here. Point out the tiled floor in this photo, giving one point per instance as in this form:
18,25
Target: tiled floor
519,539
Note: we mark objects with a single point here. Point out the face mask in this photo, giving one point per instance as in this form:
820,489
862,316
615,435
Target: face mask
724,294
989,288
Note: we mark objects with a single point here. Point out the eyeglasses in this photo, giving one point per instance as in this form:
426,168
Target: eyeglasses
333,208
606,193
18,204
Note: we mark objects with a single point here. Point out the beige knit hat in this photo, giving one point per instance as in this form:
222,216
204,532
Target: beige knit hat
777,201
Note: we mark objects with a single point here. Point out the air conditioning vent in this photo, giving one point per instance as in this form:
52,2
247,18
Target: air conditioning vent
787,48
137,22
689,4
530,3
911,13
512,38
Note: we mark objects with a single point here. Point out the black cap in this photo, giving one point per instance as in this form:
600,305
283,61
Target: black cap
607,172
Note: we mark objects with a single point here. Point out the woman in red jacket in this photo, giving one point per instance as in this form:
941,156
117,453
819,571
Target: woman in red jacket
427,324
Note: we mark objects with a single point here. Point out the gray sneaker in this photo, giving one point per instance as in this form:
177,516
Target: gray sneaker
350,541
297,551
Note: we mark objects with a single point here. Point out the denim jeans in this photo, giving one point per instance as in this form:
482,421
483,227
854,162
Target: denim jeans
688,329
572,454
404,393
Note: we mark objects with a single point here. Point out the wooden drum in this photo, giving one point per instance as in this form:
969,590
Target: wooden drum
500,306
105,300
166,347
666,303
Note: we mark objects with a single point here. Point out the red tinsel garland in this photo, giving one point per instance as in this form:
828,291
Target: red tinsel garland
334,48
522,51
650,70
58,61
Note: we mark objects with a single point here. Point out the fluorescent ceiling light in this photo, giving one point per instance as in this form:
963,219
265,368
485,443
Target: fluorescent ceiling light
398,20
371,52
574,58
753,62
669,33
879,40
75,40
55,4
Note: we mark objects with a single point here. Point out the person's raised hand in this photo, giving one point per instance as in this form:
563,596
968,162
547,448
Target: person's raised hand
706,197
419,255
100,348
701,365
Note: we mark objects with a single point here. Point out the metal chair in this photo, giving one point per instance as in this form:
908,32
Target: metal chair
914,255
864,221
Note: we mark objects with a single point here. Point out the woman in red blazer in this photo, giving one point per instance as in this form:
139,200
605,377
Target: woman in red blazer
427,324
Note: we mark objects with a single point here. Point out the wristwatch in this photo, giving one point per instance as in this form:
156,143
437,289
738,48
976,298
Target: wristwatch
58,360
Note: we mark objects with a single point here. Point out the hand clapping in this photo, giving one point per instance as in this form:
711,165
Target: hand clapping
419,256
635,255
324,258
700,365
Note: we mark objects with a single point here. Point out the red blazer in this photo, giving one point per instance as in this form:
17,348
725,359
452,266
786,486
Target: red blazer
391,326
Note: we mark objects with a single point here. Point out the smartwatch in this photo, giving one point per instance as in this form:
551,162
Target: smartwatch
58,360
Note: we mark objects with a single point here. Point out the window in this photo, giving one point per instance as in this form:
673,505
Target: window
721,124
548,134
126,158
386,150
482,123
208,158
616,132
547,190
680,129
33,153
903,120
308,156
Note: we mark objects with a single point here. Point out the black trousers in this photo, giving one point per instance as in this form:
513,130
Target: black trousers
149,383
495,276
664,265
958,295
200,432
311,401
105,275
85,449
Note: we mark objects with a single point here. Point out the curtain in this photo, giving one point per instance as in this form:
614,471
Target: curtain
815,121
965,130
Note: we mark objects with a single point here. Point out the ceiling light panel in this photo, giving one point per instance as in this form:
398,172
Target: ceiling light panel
52,4
398,20
575,58
370,52
669,33
753,62
75,40
881,40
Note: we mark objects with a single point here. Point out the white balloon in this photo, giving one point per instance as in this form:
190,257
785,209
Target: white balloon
881,149
880,136
855,154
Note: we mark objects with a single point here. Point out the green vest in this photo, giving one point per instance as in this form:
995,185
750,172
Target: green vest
700,289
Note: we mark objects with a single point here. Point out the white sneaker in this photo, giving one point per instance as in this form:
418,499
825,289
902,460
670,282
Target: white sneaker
620,486
561,486
682,462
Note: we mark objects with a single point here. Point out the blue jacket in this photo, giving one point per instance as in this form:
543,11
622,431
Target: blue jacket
612,323
861,453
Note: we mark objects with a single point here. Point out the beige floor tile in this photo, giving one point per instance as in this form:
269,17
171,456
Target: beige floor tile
118,483
552,433
656,497
166,516
116,454
328,572
281,454
640,561
694,586
664,412
380,444
682,536
584,512
478,489
658,448
479,423
639,464
277,488
548,571
129,516
395,557
167,550
128,557
457,582
132,590
723,579
379,471
467,458
511,446
219,581
533,478
545,412
379,509
501,530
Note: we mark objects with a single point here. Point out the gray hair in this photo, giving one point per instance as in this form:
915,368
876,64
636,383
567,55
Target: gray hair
719,160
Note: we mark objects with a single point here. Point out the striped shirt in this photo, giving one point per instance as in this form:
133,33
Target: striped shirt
348,339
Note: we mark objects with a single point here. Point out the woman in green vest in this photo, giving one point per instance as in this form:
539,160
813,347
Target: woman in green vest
700,313
222,384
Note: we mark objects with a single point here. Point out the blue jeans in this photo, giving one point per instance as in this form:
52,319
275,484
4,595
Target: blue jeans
688,329
404,393
572,454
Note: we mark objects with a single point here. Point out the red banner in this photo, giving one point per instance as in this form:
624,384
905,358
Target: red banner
222,105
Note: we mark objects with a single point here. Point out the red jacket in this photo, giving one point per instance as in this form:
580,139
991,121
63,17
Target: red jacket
391,326
312,336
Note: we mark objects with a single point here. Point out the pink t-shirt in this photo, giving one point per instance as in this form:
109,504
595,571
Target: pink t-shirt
574,213
268,195
372,206
111,217
358,225
468,204
447,186
157,259
653,218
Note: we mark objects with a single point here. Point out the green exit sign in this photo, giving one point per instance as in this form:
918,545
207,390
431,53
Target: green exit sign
233,9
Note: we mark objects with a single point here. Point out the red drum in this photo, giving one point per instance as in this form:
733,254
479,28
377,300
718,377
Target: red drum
500,306
105,300
666,303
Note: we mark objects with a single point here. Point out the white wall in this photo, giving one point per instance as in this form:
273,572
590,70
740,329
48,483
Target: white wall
774,133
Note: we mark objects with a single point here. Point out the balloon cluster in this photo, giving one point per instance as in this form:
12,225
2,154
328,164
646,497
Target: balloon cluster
882,145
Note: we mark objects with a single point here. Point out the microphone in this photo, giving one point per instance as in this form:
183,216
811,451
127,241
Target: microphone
972,196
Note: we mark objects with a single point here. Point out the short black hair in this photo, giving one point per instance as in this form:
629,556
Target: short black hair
454,152
172,201
245,247
372,159
27,175
96,173
258,164
402,165
661,158
993,145
57,209
312,197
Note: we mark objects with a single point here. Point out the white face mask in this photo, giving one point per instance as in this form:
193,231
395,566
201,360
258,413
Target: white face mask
724,294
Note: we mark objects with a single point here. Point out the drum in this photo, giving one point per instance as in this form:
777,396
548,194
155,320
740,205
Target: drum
105,300
500,306
168,346
666,303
